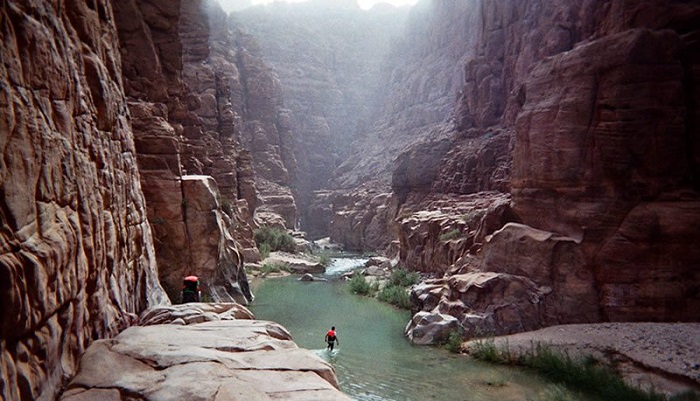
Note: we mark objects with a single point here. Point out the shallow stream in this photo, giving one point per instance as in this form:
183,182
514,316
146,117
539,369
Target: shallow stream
374,361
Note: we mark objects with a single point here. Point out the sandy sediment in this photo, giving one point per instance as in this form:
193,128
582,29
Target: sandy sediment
665,356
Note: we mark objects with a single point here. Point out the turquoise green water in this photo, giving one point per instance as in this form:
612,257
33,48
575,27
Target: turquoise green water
374,361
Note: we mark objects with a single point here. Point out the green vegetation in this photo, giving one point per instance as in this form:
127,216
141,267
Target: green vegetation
452,234
275,239
454,342
264,249
395,295
395,291
325,259
268,268
360,286
585,376
402,278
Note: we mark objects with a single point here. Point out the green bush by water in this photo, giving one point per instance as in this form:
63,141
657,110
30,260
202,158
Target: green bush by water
268,268
396,295
586,376
264,249
325,259
402,278
269,239
358,284
454,342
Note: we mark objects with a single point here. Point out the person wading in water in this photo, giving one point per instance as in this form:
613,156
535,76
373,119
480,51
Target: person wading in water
331,338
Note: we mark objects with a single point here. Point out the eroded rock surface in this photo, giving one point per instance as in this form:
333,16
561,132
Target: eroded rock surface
204,105
213,357
77,260
590,123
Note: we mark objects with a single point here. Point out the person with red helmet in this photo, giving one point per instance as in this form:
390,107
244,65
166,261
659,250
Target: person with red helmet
190,289
332,338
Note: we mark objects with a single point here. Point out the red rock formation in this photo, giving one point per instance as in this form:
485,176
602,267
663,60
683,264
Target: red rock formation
191,109
598,102
77,260
604,152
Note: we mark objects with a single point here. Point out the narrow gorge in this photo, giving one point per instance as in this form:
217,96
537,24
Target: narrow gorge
537,162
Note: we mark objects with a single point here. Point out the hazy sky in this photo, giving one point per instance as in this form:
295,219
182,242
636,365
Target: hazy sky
366,4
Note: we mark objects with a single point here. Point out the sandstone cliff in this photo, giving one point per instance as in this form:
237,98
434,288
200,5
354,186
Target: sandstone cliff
577,121
586,112
77,261
204,105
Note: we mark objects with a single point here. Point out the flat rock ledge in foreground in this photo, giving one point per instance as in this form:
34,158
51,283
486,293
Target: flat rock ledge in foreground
216,359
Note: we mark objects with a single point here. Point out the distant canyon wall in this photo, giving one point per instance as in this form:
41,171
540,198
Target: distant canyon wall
78,261
328,56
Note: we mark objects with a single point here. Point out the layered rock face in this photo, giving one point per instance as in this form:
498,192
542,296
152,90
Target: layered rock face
204,105
609,156
596,105
77,260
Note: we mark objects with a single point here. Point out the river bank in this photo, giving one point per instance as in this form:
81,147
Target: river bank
663,356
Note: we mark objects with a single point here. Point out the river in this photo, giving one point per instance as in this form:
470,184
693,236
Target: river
374,361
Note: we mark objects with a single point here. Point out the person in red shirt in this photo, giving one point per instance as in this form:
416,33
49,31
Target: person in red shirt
331,338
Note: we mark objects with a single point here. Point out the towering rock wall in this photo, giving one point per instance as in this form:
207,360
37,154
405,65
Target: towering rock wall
606,151
206,117
77,258
589,110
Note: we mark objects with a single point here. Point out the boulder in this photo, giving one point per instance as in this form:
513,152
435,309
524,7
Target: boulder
295,264
307,277
427,328
378,261
521,279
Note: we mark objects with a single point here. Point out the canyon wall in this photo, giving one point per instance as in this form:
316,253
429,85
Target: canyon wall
574,121
90,91
586,112
210,139
188,153
78,261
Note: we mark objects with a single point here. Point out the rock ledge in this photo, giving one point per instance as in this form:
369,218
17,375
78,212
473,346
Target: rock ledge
222,358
